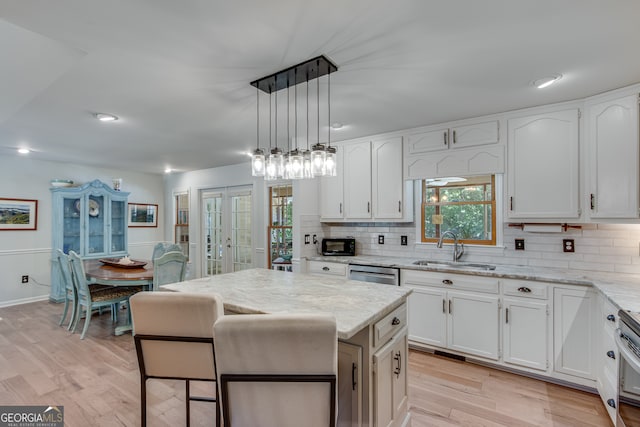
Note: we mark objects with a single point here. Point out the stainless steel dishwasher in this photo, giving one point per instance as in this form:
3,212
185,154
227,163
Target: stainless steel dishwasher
368,273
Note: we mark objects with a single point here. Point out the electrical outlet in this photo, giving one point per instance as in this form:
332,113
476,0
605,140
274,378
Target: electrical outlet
519,244
403,240
25,279
568,245
380,239
315,239
307,239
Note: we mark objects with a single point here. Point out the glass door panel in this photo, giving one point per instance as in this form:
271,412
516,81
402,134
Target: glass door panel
95,206
227,230
241,232
71,225
118,226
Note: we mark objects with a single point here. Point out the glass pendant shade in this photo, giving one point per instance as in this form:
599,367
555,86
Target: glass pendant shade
296,161
330,162
318,156
306,164
258,163
286,166
275,165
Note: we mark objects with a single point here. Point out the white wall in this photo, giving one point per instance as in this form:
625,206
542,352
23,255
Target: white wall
29,252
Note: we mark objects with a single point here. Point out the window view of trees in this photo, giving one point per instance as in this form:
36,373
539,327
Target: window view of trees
280,225
465,207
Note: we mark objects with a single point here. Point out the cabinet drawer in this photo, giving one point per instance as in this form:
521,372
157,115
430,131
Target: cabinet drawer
527,289
384,329
329,268
451,281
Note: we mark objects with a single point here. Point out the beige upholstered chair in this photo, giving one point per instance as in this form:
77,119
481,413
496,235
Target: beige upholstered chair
173,334
277,370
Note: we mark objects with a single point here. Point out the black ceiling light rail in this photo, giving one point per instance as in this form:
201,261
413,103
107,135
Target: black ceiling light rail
304,71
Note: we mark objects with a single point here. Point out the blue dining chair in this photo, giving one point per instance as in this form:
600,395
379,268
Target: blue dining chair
162,248
92,299
169,268
71,295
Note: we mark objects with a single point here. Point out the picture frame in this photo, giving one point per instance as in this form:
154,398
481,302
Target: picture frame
142,215
18,214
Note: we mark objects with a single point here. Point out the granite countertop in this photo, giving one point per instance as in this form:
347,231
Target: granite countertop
354,304
623,290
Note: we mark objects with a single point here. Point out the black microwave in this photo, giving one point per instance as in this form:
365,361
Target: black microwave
341,246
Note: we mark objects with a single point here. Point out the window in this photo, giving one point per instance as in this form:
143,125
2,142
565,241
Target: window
464,205
280,226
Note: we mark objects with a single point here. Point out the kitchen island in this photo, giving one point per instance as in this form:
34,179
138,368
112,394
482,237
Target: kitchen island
372,331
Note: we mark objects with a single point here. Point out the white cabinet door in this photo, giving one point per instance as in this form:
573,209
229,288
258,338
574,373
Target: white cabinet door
526,333
542,166
431,140
613,158
349,385
474,324
574,331
386,175
332,191
428,316
390,381
474,134
357,180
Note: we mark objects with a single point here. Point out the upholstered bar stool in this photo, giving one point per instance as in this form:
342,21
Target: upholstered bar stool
277,370
173,335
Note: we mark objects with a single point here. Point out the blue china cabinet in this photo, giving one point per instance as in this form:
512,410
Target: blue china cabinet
90,220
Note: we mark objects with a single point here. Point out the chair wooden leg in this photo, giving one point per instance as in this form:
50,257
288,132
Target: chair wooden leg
187,398
143,401
74,313
87,320
64,312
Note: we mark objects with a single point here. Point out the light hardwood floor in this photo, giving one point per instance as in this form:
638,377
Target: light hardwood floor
97,382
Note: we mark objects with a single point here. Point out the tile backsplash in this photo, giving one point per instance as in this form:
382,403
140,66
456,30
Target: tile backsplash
598,247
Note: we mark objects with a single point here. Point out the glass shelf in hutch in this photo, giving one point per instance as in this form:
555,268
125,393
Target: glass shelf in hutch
182,222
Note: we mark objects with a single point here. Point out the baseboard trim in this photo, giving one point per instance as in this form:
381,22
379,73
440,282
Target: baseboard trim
23,301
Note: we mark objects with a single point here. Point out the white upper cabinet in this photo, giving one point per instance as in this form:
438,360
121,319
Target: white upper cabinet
332,191
542,166
612,135
369,184
386,173
455,136
357,180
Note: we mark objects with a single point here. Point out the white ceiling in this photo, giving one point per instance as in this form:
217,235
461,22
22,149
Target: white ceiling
177,73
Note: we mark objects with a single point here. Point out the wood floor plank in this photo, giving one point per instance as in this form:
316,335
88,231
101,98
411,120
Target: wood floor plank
98,383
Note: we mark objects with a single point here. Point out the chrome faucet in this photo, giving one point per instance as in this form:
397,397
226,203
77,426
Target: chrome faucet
458,248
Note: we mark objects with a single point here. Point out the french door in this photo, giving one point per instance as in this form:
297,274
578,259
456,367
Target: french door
227,230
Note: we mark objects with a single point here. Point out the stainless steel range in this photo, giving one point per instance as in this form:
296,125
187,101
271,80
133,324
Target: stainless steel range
628,341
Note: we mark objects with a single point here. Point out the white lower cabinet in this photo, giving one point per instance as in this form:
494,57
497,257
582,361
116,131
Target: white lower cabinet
390,382
349,385
525,331
607,356
574,331
444,313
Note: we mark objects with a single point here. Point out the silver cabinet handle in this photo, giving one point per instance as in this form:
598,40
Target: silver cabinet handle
447,282
611,354
325,269
450,311
524,289
611,318
506,315
444,305
454,137
399,205
340,207
398,357
368,207
445,137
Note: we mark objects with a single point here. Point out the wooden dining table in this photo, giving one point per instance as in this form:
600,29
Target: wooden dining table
99,273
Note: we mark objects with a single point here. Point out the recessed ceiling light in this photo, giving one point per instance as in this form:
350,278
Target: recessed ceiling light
104,117
547,81
24,150
336,125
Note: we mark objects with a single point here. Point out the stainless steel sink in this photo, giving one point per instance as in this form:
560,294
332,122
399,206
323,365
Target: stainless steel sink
456,265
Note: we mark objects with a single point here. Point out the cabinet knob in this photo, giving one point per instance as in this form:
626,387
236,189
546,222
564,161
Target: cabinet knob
611,354
611,318
325,269
524,289
395,321
447,282
611,403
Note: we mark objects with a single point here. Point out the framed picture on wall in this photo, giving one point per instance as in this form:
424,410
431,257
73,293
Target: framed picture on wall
143,215
18,214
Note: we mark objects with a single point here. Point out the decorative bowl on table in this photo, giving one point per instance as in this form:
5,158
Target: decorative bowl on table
117,262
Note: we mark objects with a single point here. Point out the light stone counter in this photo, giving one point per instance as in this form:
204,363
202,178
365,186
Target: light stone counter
623,290
354,304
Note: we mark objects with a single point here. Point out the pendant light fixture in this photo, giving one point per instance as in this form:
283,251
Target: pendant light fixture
295,164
